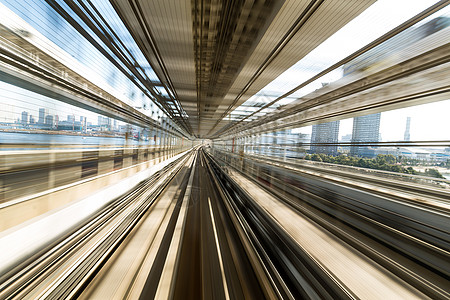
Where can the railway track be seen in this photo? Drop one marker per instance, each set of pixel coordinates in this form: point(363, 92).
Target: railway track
point(65, 265)
point(197, 230)
point(186, 248)
point(410, 241)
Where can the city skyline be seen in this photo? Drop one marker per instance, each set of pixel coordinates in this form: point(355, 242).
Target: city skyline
point(430, 122)
point(43, 113)
point(14, 100)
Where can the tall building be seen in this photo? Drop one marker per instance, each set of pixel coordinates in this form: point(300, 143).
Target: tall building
point(325, 133)
point(108, 123)
point(101, 121)
point(49, 121)
point(104, 123)
point(407, 136)
point(83, 122)
point(43, 112)
point(365, 129)
point(24, 117)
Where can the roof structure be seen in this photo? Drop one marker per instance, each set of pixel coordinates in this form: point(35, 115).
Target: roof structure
point(215, 55)
point(220, 68)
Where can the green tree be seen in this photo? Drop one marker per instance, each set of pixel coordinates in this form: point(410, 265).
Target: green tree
point(362, 163)
point(433, 173)
point(316, 157)
point(390, 159)
point(381, 162)
point(396, 168)
point(411, 171)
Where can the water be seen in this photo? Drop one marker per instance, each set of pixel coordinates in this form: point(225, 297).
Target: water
point(61, 139)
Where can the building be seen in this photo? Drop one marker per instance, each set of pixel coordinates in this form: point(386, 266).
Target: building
point(407, 136)
point(366, 129)
point(24, 117)
point(83, 122)
point(345, 148)
point(43, 112)
point(346, 138)
point(325, 133)
point(303, 140)
point(49, 121)
point(104, 123)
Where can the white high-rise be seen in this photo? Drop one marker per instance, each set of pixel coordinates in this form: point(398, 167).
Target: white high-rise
point(366, 129)
point(407, 136)
point(324, 138)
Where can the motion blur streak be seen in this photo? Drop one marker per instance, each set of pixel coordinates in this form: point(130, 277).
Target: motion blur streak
point(245, 149)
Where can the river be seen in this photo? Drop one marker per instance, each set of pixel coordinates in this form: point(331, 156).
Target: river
point(61, 139)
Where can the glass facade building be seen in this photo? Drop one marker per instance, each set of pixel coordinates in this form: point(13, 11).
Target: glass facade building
point(366, 129)
point(324, 138)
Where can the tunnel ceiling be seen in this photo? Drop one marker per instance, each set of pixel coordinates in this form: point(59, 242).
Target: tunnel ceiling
point(214, 55)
